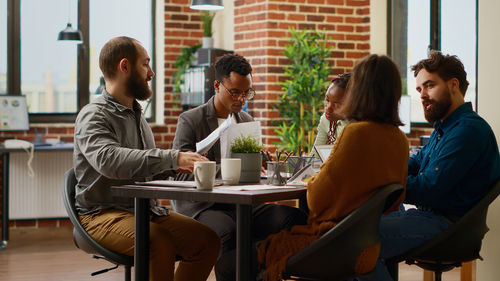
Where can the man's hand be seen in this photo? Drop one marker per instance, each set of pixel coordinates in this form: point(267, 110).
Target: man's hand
point(185, 160)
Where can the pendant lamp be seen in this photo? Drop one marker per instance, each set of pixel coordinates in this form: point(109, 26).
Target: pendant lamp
point(207, 5)
point(69, 33)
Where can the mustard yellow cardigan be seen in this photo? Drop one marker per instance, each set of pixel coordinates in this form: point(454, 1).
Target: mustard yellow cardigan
point(365, 156)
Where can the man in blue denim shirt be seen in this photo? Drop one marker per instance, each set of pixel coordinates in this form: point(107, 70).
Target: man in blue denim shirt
point(452, 172)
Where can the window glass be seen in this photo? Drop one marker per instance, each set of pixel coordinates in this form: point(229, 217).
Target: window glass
point(128, 18)
point(418, 42)
point(48, 66)
point(458, 37)
point(3, 46)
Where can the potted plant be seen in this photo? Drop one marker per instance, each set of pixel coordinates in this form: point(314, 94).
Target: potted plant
point(182, 63)
point(248, 150)
point(301, 104)
point(207, 18)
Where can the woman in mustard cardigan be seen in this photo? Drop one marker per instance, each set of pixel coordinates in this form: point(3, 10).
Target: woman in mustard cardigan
point(370, 152)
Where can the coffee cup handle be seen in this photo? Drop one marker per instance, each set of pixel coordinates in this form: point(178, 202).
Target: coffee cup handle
point(195, 173)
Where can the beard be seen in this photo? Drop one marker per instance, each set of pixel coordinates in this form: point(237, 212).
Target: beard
point(438, 109)
point(138, 88)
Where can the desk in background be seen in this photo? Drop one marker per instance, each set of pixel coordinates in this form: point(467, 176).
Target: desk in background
point(242, 199)
point(5, 181)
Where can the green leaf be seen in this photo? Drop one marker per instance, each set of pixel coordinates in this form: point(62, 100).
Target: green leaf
point(307, 80)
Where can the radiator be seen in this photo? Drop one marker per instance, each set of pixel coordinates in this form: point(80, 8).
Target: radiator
point(39, 196)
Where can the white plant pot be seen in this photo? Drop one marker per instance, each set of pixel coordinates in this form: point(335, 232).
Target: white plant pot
point(207, 42)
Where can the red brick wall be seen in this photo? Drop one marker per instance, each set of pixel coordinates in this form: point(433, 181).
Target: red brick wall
point(183, 28)
point(261, 31)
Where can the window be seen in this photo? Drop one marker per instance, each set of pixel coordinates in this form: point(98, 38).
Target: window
point(3, 46)
point(105, 25)
point(48, 66)
point(417, 26)
point(60, 77)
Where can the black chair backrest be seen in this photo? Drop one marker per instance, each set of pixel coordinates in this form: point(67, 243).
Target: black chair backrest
point(333, 255)
point(81, 238)
point(461, 242)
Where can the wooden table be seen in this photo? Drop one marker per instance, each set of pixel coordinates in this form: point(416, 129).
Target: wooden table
point(242, 199)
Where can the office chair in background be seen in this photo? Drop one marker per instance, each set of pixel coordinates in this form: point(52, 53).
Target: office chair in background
point(461, 242)
point(82, 239)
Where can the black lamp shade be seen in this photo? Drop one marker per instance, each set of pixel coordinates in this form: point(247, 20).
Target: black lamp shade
point(70, 34)
point(207, 5)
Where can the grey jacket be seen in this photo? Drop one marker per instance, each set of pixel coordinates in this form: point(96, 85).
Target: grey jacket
point(114, 145)
point(193, 126)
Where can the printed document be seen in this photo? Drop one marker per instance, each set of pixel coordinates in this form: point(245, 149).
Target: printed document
point(244, 129)
point(204, 145)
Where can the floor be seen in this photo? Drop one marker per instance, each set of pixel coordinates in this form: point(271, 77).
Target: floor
point(48, 253)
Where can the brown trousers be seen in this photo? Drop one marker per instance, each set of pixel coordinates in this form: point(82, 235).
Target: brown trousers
point(172, 235)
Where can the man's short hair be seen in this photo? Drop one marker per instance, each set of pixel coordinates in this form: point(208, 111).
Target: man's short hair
point(445, 66)
point(114, 51)
point(231, 62)
point(374, 91)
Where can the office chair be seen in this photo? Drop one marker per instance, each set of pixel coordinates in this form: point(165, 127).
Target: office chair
point(461, 242)
point(82, 239)
point(334, 254)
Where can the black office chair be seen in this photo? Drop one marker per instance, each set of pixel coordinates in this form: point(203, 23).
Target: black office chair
point(461, 242)
point(82, 239)
point(333, 255)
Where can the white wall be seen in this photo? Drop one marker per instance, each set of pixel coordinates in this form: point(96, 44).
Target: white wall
point(378, 27)
point(223, 27)
point(488, 105)
point(160, 62)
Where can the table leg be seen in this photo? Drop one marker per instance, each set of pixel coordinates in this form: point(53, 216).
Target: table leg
point(5, 200)
point(141, 246)
point(243, 242)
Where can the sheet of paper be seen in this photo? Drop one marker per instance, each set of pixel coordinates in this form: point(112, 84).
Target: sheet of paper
point(169, 183)
point(255, 187)
point(204, 145)
point(238, 130)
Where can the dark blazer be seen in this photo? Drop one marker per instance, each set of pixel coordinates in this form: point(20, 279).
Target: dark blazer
point(193, 126)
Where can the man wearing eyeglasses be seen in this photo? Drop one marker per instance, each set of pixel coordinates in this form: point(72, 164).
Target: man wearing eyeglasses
point(233, 86)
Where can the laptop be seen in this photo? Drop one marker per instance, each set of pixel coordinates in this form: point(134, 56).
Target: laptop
point(323, 151)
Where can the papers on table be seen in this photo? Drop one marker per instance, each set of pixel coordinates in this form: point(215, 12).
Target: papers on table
point(204, 145)
point(254, 187)
point(169, 183)
point(227, 132)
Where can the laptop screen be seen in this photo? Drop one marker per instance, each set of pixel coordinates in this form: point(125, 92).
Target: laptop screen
point(323, 151)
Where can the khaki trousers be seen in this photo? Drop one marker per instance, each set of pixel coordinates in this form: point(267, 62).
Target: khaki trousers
point(172, 235)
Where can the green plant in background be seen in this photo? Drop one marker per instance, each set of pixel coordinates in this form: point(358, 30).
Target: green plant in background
point(302, 101)
point(207, 18)
point(182, 63)
point(246, 145)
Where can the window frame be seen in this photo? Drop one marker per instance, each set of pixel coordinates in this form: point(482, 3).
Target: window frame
point(435, 40)
point(83, 60)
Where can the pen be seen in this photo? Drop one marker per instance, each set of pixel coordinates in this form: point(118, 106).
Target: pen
point(269, 156)
point(264, 155)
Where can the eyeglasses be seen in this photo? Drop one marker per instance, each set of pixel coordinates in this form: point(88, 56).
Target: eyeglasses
point(236, 95)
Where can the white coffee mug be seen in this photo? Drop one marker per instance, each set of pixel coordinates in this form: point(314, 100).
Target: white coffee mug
point(204, 174)
point(231, 170)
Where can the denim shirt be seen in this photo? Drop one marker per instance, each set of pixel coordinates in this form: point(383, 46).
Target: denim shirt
point(457, 167)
